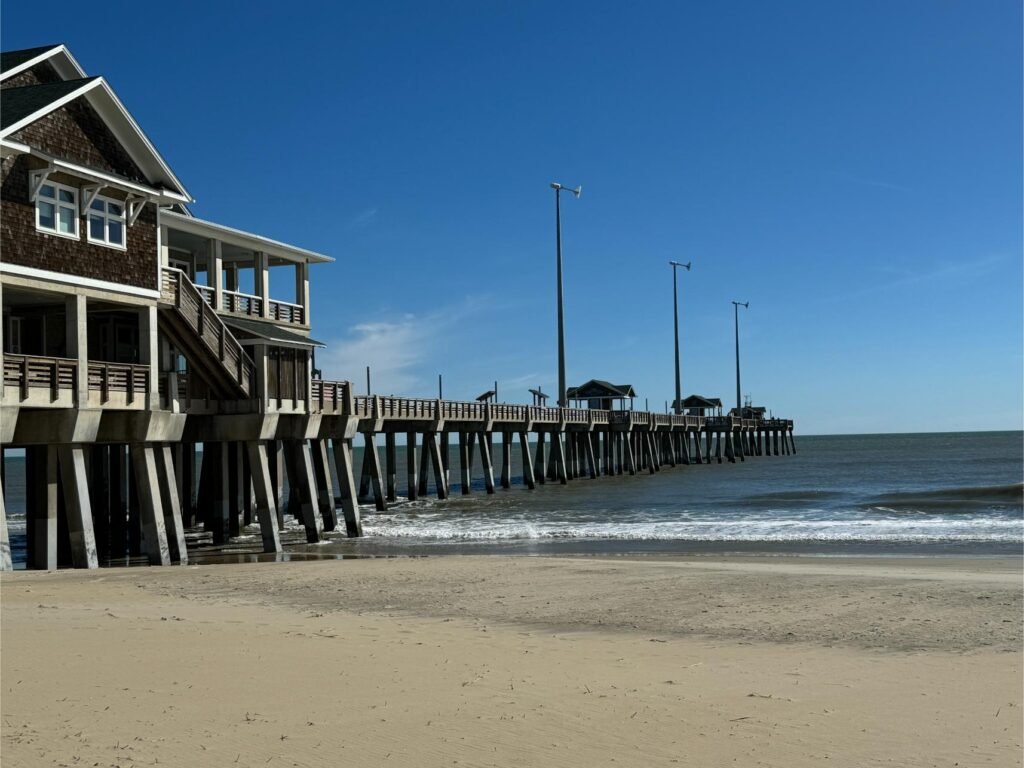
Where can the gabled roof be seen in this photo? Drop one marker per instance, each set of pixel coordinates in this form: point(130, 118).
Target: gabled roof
point(34, 102)
point(59, 57)
point(697, 401)
point(18, 104)
point(598, 388)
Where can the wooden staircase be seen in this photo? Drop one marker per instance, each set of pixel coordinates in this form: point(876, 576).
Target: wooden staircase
point(196, 329)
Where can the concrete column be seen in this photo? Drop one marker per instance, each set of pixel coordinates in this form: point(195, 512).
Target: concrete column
point(430, 445)
point(79, 510)
point(77, 340)
point(558, 454)
point(485, 460)
point(173, 524)
point(412, 479)
point(307, 490)
point(6, 563)
point(347, 487)
point(506, 459)
point(117, 488)
point(591, 461)
point(464, 462)
point(539, 464)
point(524, 453)
point(154, 533)
point(219, 491)
point(324, 484)
point(42, 486)
point(390, 463)
point(792, 442)
point(370, 448)
point(236, 491)
point(264, 493)
point(424, 468)
point(630, 457)
point(275, 459)
point(445, 459)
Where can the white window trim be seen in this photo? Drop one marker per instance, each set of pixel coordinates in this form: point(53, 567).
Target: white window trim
point(57, 205)
point(123, 246)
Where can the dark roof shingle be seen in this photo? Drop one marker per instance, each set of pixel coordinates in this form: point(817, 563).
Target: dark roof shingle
point(12, 59)
point(18, 103)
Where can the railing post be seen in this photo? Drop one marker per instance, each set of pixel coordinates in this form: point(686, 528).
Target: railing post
point(104, 383)
point(24, 378)
point(131, 385)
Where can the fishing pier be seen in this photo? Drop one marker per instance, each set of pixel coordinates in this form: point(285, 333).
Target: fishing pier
point(158, 380)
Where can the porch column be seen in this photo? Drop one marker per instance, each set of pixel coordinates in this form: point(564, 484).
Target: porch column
point(77, 338)
point(149, 353)
point(215, 273)
point(302, 289)
point(261, 281)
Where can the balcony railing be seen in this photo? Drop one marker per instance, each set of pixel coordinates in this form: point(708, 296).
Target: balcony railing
point(27, 372)
point(238, 303)
point(57, 375)
point(133, 380)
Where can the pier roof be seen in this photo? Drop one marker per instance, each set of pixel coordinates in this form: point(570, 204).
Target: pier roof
point(697, 401)
point(599, 388)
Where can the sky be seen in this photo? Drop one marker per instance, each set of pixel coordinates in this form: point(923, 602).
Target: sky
point(853, 170)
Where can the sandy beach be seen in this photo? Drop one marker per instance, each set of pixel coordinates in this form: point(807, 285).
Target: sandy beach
point(515, 661)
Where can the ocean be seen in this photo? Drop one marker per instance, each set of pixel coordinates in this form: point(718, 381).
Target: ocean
point(956, 493)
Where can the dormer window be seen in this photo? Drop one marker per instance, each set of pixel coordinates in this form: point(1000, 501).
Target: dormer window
point(57, 210)
point(106, 222)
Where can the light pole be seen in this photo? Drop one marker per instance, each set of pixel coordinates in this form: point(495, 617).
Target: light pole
point(675, 313)
point(736, 307)
point(561, 325)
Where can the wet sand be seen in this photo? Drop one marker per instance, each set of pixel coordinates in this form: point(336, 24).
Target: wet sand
point(502, 661)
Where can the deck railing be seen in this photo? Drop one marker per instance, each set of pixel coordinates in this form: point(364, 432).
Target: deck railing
point(133, 380)
point(177, 289)
point(238, 303)
point(286, 312)
point(28, 371)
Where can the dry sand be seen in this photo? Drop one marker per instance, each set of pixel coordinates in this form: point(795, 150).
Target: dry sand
point(501, 661)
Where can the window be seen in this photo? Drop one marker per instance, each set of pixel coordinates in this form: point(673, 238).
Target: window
point(57, 210)
point(106, 222)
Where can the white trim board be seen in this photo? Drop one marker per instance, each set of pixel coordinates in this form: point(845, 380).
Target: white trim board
point(83, 282)
point(66, 66)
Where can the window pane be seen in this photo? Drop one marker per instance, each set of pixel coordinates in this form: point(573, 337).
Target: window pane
point(66, 196)
point(67, 221)
point(114, 208)
point(46, 214)
point(97, 205)
point(46, 190)
point(115, 232)
point(96, 227)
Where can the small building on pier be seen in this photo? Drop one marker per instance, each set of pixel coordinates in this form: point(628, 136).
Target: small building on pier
point(697, 405)
point(602, 395)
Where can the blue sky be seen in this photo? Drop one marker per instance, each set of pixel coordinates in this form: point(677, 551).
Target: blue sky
point(853, 170)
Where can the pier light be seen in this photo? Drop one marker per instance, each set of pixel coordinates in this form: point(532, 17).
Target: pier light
point(736, 307)
point(678, 407)
point(558, 249)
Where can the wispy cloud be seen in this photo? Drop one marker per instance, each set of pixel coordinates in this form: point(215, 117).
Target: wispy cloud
point(396, 349)
point(906, 278)
point(362, 219)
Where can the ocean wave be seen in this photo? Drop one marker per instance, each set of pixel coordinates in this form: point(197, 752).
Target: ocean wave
point(1008, 531)
point(968, 499)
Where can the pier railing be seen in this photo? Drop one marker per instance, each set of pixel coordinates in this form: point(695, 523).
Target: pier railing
point(334, 397)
